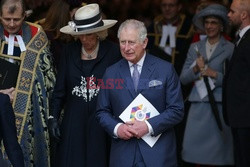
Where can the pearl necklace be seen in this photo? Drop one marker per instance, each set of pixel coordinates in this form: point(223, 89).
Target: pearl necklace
point(92, 55)
point(210, 48)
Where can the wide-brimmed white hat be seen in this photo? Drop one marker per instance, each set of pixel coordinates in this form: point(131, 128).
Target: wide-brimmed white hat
point(211, 10)
point(87, 20)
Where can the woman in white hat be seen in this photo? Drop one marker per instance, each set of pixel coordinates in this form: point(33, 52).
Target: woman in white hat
point(82, 142)
point(207, 139)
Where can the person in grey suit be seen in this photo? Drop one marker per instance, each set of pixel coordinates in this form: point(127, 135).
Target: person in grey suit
point(159, 84)
point(236, 101)
point(205, 141)
point(8, 134)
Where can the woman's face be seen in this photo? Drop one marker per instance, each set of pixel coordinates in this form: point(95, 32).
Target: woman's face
point(213, 27)
point(89, 41)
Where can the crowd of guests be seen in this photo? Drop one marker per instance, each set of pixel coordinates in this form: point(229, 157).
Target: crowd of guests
point(69, 71)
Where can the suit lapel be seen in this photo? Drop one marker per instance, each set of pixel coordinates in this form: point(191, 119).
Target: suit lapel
point(202, 48)
point(236, 48)
point(218, 50)
point(124, 72)
point(147, 71)
point(244, 37)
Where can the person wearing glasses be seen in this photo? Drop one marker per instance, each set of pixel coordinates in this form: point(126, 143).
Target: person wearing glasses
point(207, 139)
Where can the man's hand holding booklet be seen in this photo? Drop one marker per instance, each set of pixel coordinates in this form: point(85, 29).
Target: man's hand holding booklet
point(141, 109)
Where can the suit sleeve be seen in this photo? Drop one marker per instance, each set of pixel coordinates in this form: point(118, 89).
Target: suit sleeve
point(187, 74)
point(104, 112)
point(174, 107)
point(8, 129)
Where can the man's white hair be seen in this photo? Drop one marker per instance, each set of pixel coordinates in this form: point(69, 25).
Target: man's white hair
point(134, 24)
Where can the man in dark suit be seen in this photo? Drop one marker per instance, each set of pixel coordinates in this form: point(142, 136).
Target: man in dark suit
point(8, 133)
point(236, 95)
point(159, 84)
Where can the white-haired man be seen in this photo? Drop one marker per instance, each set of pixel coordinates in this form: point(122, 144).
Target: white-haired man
point(160, 87)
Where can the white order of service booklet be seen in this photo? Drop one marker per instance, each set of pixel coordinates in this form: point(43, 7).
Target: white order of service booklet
point(141, 109)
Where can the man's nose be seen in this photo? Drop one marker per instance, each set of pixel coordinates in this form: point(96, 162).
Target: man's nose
point(127, 47)
point(12, 23)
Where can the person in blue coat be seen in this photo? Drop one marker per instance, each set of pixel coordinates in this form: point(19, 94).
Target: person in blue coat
point(204, 142)
point(8, 134)
point(82, 141)
point(159, 84)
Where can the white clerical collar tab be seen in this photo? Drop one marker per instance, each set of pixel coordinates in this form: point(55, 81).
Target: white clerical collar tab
point(168, 30)
point(11, 43)
point(21, 43)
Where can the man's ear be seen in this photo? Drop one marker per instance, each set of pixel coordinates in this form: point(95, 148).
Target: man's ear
point(244, 15)
point(145, 42)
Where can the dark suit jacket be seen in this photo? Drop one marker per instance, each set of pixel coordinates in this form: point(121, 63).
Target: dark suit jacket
point(236, 93)
point(8, 132)
point(166, 98)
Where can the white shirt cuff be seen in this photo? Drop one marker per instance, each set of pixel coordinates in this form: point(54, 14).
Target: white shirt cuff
point(116, 129)
point(150, 129)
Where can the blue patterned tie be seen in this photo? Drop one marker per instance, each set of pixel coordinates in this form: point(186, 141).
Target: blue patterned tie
point(135, 76)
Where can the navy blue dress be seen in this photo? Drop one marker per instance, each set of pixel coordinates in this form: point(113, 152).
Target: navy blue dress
point(84, 143)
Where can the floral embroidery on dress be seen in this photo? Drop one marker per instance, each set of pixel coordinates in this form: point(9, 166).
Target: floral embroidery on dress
point(87, 87)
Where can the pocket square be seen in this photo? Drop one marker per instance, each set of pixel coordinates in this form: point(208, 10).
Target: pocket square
point(154, 83)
